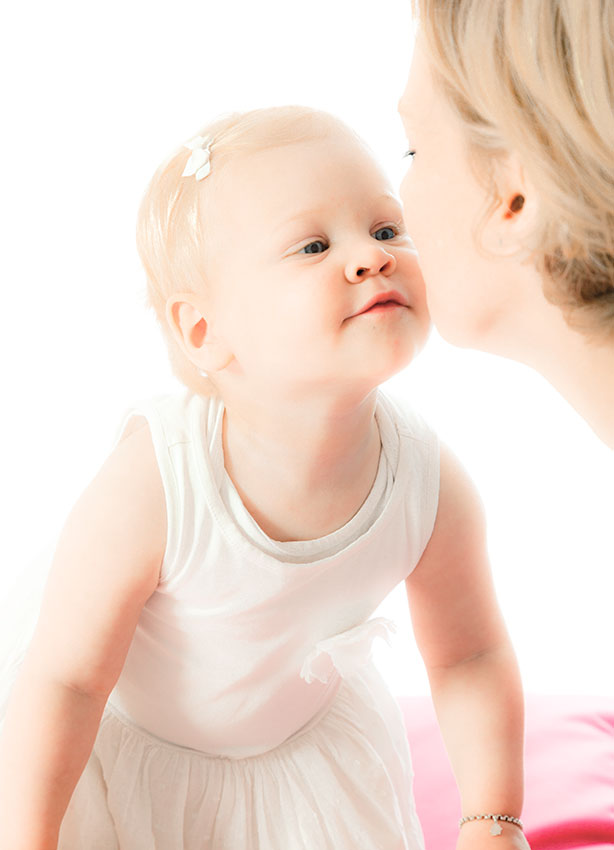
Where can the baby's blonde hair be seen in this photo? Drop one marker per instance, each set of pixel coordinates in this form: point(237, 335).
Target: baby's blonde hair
point(171, 227)
point(537, 77)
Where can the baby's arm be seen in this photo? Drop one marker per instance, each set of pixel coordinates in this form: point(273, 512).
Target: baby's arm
point(105, 567)
point(472, 669)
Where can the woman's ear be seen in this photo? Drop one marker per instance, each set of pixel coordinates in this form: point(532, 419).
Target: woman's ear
point(185, 314)
point(515, 215)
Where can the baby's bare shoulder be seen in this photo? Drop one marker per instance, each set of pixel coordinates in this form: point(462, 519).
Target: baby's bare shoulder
point(105, 567)
point(459, 535)
point(127, 494)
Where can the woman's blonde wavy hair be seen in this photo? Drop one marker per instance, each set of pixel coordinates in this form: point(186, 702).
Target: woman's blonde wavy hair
point(175, 212)
point(537, 77)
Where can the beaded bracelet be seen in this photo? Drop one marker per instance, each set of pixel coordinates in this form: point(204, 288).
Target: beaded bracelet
point(495, 829)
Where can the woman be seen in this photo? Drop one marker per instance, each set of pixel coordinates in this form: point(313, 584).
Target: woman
point(510, 119)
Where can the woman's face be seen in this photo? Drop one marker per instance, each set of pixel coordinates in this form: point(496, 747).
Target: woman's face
point(470, 294)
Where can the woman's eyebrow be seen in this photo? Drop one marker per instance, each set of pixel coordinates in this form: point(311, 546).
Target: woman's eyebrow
point(405, 110)
point(404, 105)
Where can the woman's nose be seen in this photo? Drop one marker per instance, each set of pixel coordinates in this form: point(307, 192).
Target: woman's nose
point(369, 261)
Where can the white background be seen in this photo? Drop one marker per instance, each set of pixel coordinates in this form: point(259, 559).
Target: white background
point(96, 95)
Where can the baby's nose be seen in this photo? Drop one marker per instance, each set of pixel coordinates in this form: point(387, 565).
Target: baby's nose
point(370, 262)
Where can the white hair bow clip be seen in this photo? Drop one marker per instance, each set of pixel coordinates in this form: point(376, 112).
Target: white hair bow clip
point(199, 163)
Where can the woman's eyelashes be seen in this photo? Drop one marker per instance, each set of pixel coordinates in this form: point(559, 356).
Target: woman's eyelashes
point(410, 153)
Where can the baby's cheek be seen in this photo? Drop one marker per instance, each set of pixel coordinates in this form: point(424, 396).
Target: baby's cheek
point(415, 281)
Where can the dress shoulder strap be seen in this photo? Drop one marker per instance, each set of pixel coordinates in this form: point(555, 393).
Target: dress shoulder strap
point(419, 463)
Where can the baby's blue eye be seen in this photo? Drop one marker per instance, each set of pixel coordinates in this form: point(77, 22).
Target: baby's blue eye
point(385, 233)
point(317, 247)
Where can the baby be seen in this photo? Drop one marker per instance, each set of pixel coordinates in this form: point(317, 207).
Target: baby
point(200, 674)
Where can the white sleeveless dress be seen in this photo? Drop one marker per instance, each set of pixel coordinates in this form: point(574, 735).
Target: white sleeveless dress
point(249, 714)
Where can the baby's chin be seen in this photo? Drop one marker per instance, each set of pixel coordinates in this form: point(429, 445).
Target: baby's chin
point(397, 364)
point(410, 346)
point(400, 366)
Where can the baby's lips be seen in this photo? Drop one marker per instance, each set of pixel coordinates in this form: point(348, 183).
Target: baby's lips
point(381, 298)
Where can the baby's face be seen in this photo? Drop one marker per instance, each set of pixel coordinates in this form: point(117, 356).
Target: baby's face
point(306, 237)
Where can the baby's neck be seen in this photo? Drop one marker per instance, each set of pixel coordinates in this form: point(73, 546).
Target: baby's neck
point(302, 469)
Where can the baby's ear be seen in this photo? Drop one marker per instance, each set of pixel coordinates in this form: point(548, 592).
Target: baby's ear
point(185, 314)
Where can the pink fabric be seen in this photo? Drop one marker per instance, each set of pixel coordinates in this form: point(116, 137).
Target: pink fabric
point(569, 796)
